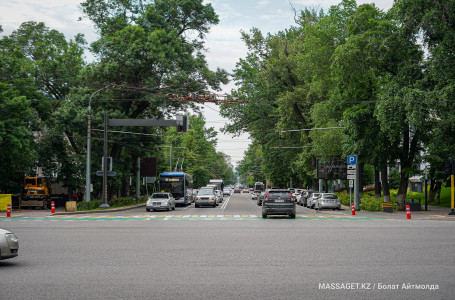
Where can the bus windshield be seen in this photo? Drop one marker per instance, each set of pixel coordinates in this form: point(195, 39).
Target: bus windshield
point(174, 187)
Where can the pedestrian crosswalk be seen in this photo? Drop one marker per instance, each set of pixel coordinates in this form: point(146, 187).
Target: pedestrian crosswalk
point(167, 217)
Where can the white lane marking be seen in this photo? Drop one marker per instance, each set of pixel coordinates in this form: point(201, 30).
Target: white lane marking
point(223, 207)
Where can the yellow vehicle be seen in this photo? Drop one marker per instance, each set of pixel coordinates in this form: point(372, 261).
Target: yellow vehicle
point(37, 192)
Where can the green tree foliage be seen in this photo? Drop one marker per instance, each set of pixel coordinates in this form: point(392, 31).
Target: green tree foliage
point(354, 67)
point(195, 152)
point(147, 52)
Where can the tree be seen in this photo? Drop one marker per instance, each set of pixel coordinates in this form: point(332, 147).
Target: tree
point(148, 52)
point(19, 118)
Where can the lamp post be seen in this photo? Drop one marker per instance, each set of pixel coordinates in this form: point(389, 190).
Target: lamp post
point(89, 146)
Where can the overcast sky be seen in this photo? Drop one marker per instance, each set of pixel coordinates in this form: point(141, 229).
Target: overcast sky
point(223, 43)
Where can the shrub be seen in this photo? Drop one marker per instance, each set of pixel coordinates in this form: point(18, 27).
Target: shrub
point(368, 201)
point(91, 205)
point(117, 202)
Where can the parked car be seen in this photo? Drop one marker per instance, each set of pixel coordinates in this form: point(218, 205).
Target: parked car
point(160, 201)
point(296, 194)
point(328, 200)
point(206, 197)
point(278, 202)
point(236, 190)
point(261, 198)
point(219, 196)
point(9, 245)
point(304, 198)
point(255, 195)
point(311, 202)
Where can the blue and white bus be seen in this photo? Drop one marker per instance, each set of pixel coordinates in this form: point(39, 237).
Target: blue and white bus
point(179, 184)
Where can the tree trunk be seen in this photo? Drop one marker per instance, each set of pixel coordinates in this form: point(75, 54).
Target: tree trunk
point(385, 183)
point(360, 168)
point(438, 191)
point(432, 190)
point(314, 180)
point(70, 194)
point(407, 157)
point(377, 184)
point(402, 191)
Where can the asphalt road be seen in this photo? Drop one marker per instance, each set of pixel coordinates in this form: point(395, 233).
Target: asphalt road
point(229, 258)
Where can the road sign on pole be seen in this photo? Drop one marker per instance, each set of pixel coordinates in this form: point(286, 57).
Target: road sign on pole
point(352, 159)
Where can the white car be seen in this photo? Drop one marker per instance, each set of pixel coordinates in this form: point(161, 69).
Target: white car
point(9, 245)
point(227, 191)
point(219, 196)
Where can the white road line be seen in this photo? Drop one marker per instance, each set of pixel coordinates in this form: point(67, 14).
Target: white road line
point(223, 207)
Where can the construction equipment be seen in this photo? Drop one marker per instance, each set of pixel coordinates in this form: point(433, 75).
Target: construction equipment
point(37, 192)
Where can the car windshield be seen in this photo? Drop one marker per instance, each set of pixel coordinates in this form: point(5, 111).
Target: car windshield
point(281, 195)
point(205, 192)
point(160, 196)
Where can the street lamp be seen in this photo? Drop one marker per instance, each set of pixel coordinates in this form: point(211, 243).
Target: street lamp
point(89, 146)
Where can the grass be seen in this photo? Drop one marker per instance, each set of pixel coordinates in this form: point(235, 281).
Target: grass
point(369, 203)
point(117, 202)
point(445, 198)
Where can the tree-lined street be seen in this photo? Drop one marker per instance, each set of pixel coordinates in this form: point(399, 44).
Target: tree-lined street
point(235, 258)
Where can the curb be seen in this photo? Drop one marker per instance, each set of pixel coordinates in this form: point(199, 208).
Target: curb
point(98, 211)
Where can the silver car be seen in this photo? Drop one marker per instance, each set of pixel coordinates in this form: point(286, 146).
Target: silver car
point(311, 202)
point(160, 201)
point(9, 246)
point(328, 200)
point(206, 196)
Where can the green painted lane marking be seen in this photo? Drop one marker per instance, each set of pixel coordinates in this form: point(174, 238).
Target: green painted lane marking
point(179, 218)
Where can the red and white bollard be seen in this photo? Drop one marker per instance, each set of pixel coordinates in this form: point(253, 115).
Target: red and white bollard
point(53, 207)
point(353, 209)
point(8, 211)
point(408, 212)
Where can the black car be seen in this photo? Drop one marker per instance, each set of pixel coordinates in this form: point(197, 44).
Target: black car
point(278, 202)
point(261, 198)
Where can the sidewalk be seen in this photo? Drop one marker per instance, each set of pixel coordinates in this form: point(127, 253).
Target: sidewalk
point(433, 213)
point(30, 212)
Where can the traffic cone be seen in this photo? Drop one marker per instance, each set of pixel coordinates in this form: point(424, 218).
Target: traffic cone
point(353, 209)
point(408, 212)
point(53, 207)
point(8, 211)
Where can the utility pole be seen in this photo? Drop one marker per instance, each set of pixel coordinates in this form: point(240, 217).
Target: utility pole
point(89, 147)
point(105, 192)
point(138, 179)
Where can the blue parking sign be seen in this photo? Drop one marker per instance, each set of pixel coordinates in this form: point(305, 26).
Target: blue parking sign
point(352, 159)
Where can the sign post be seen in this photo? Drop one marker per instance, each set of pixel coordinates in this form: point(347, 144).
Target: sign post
point(351, 184)
point(353, 175)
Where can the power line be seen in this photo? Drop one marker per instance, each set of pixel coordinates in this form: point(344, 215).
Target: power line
point(310, 129)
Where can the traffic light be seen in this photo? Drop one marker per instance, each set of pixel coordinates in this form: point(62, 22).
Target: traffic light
point(182, 123)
